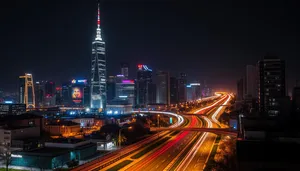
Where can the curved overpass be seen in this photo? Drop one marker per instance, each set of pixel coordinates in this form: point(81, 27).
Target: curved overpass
point(212, 130)
point(180, 119)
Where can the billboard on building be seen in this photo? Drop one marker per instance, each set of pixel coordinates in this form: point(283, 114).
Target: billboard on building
point(77, 94)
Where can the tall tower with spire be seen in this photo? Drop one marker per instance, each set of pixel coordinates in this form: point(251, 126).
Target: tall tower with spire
point(98, 70)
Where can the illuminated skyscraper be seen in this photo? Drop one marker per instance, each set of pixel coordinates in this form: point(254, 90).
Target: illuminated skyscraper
point(26, 91)
point(193, 91)
point(145, 91)
point(173, 90)
point(98, 70)
point(271, 87)
point(182, 83)
point(39, 88)
point(163, 88)
point(49, 95)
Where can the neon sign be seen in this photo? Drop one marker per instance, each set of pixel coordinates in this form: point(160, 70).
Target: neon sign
point(78, 81)
point(145, 67)
point(16, 155)
point(81, 81)
point(140, 67)
point(127, 81)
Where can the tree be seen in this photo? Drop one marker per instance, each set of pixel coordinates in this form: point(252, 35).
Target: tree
point(6, 156)
point(225, 158)
point(116, 139)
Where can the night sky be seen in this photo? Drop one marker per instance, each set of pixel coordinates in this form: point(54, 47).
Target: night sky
point(210, 40)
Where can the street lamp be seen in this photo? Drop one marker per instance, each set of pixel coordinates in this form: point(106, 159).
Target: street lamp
point(119, 140)
point(158, 120)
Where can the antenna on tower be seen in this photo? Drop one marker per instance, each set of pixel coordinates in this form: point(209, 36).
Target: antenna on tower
point(98, 35)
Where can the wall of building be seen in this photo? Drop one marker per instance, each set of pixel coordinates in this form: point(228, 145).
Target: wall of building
point(84, 122)
point(6, 135)
point(66, 144)
point(56, 130)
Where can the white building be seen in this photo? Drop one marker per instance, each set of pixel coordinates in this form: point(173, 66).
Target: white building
point(7, 134)
point(98, 70)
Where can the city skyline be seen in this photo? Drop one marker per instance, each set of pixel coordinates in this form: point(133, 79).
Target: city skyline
point(64, 35)
point(149, 85)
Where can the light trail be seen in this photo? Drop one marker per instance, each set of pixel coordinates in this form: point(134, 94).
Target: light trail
point(210, 105)
point(191, 154)
point(189, 157)
point(165, 147)
point(180, 119)
point(219, 109)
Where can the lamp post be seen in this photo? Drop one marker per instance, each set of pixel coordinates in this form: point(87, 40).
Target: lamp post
point(158, 120)
point(119, 139)
point(158, 123)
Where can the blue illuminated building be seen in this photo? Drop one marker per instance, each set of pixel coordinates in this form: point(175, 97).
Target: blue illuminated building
point(98, 71)
point(145, 90)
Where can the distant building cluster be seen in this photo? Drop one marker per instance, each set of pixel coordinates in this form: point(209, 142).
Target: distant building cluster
point(263, 87)
point(122, 93)
point(266, 118)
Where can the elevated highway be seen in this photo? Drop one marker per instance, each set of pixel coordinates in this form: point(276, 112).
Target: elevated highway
point(226, 131)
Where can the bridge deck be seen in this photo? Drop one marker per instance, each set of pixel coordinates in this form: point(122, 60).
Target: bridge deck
point(212, 130)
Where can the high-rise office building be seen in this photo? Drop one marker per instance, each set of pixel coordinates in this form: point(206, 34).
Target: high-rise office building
point(193, 91)
point(49, 89)
point(163, 87)
point(125, 91)
point(98, 70)
point(144, 87)
point(182, 83)
point(50, 99)
point(111, 88)
point(173, 90)
point(58, 95)
point(26, 91)
point(66, 94)
point(240, 89)
point(151, 94)
point(206, 89)
point(86, 95)
point(39, 88)
point(124, 69)
point(271, 85)
point(251, 82)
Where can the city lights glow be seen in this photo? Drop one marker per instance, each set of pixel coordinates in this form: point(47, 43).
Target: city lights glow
point(179, 117)
point(188, 158)
point(127, 81)
point(207, 107)
point(219, 109)
point(16, 155)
